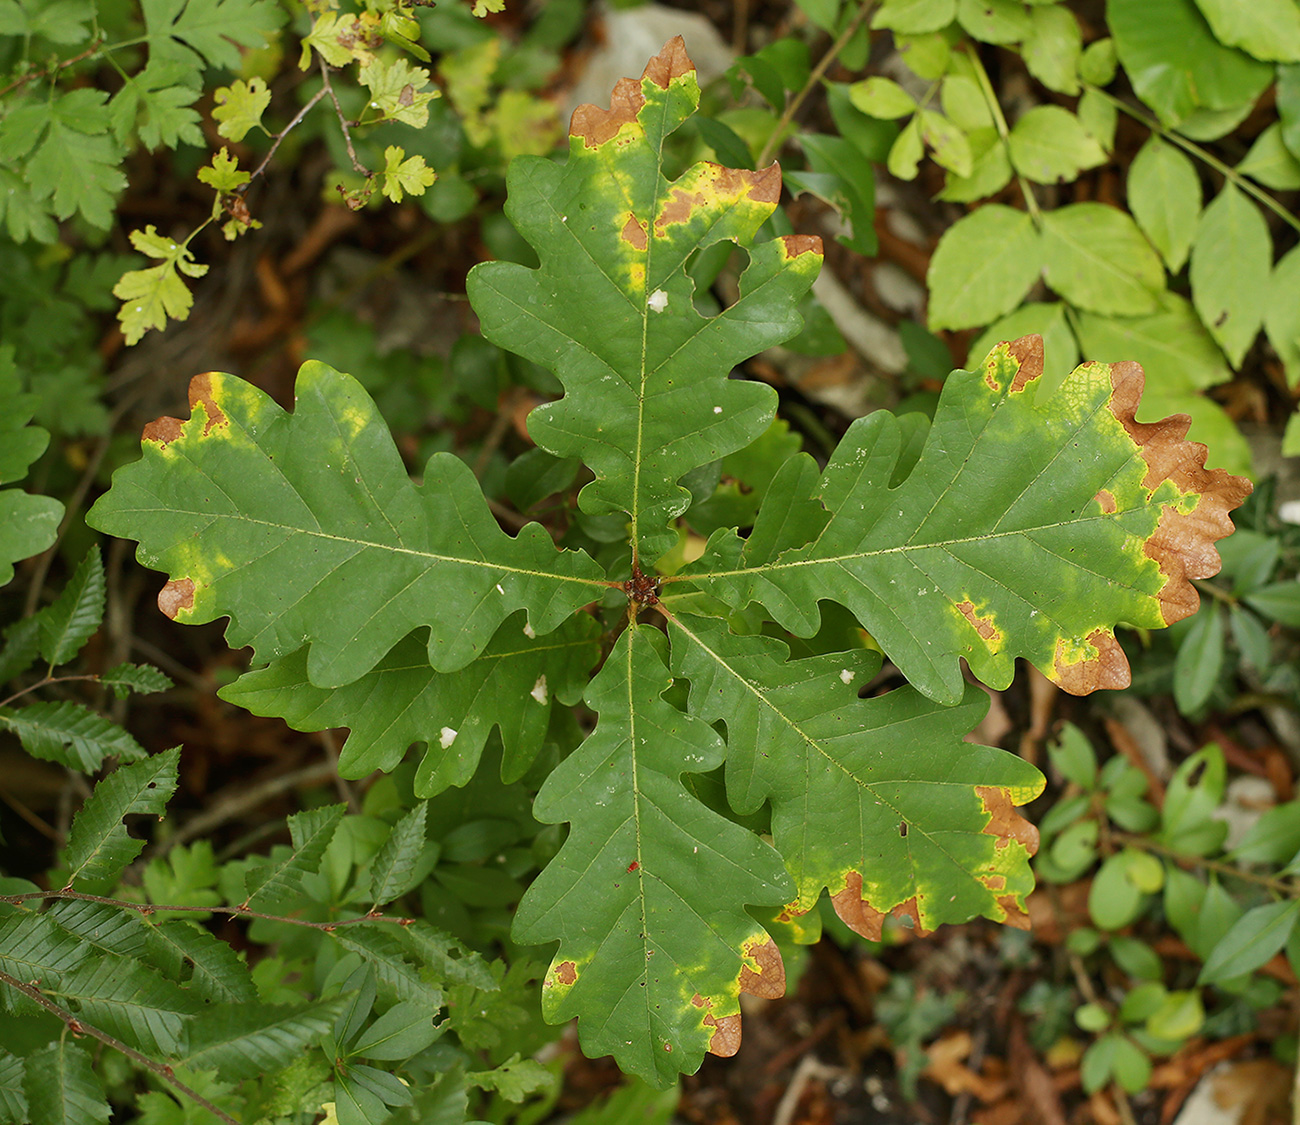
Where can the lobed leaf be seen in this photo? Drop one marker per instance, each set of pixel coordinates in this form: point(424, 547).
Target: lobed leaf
point(610, 309)
point(402, 701)
point(99, 847)
point(29, 523)
point(304, 528)
point(211, 32)
point(647, 896)
point(879, 800)
point(1097, 520)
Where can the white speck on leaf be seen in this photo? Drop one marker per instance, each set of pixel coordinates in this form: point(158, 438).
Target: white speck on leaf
point(499, 590)
point(528, 632)
point(717, 410)
point(846, 676)
point(539, 690)
point(658, 301)
point(446, 737)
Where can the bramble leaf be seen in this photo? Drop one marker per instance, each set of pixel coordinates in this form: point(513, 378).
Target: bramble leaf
point(62, 1086)
point(878, 800)
point(610, 309)
point(349, 560)
point(311, 831)
point(1098, 519)
point(69, 622)
point(98, 844)
point(647, 896)
point(245, 1040)
point(69, 734)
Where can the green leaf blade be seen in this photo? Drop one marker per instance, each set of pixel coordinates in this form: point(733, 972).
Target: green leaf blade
point(984, 265)
point(1231, 265)
point(69, 622)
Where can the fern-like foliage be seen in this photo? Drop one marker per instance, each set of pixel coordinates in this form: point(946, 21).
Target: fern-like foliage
point(1018, 524)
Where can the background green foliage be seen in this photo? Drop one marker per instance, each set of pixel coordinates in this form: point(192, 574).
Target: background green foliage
point(1135, 204)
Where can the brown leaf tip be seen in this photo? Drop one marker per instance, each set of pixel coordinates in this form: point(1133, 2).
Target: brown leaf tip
point(596, 126)
point(725, 1040)
point(1027, 352)
point(177, 595)
point(1183, 542)
point(796, 244)
point(1107, 669)
point(201, 392)
point(863, 918)
point(162, 430)
point(768, 982)
point(1004, 821)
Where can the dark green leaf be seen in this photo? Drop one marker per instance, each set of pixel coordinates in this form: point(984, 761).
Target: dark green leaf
point(63, 1088)
point(129, 1001)
point(1278, 602)
point(70, 734)
point(69, 622)
point(246, 1040)
point(1199, 661)
point(392, 869)
point(311, 832)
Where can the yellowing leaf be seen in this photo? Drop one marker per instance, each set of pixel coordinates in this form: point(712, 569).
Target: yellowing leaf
point(150, 297)
point(238, 108)
point(405, 175)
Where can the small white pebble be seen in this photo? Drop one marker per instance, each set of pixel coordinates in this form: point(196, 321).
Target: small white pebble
point(446, 737)
point(1289, 512)
point(846, 676)
point(658, 301)
point(539, 690)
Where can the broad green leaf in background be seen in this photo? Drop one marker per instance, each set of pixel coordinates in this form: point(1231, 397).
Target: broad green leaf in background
point(403, 701)
point(878, 800)
point(1230, 270)
point(1164, 194)
point(1048, 145)
point(1255, 937)
point(62, 1086)
point(994, 21)
point(1097, 520)
point(1096, 258)
point(1199, 661)
point(647, 896)
point(1053, 47)
point(854, 192)
point(306, 527)
point(983, 266)
point(1270, 162)
point(1176, 63)
point(28, 523)
point(1268, 29)
point(913, 17)
point(946, 141)
point(98, 844)
point(882, 97)
point(1282, 313)
point(610, 309)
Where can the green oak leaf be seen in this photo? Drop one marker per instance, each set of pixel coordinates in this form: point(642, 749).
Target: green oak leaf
point(238, 504)
point(611, 312)
point(403, 701)
point(1096, 520)
point(878, 800)
point(647, 896)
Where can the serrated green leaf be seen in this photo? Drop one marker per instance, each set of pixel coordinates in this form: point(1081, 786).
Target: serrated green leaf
point(13, 1099)
point(99, 847)
point(1048, 145)
point(70, 734)
point(1268, 29)
point(1053, 48)
point(1164, 194)
point(879, 801)
point(130, 1002)
point(311, 831)
point(994, 558)
point(391, 869)
point(1230, 270)
point(515, 1079)
point(611, 310)
point(247, 1040)
point(1176, 63)
point(34, 946)
point(647, 896)
point(914, 17)
point(58, 21)
point(62, 1087)
point(155, 105)
point(398, 91)
point(71, 620)
point(77, 166)
point(402, 701)
point(1251, 942)
point(1096, 258)
point(126, 678)
point(150, 297)
point(238, 108)
point(108, 929)
point(212, 31)
point(385, 952)
point(349, 560)
point(217, 973)
point(983, 266)
point(405, 175)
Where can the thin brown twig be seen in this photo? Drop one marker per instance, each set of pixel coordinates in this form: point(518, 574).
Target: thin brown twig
point(79, 1027)
point(832, 53)
point(279, 137)
point(145, 909)
point(45, 72)
point(357, 166)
